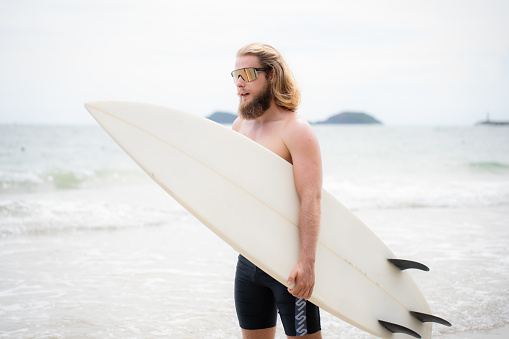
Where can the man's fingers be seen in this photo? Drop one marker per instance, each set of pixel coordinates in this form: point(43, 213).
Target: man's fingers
point(291, 280)
point(302, 292)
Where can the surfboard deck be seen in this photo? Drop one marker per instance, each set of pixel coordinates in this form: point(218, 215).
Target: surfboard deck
point(246, 195)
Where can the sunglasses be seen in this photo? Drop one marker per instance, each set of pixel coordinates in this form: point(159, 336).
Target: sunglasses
point(247, 74)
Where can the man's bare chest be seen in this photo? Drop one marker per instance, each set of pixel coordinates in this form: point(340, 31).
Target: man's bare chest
point(272, 139)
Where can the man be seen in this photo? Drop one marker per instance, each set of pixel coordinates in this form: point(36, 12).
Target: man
point(269, 98)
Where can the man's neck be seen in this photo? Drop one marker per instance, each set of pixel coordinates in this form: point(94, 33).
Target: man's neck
point(274, 113)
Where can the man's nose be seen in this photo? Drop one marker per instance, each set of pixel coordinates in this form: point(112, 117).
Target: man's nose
point(240, 82)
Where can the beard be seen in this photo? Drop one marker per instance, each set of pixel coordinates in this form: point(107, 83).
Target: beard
point(257, 106)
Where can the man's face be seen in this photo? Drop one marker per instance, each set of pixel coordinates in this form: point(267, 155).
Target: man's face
point(255, 96)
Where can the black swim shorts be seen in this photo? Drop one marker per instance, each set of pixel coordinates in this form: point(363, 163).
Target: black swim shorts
point(258, 298)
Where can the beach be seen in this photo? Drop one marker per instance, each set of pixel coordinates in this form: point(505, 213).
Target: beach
point(90, 247)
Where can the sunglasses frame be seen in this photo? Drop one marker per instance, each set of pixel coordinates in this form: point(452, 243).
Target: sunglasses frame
point(255, 73)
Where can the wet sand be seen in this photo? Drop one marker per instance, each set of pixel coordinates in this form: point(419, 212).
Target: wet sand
point(498, 333)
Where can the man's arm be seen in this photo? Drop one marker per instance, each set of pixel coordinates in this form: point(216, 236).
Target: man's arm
point(307, 166)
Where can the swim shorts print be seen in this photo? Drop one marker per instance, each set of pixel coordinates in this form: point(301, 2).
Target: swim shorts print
point(258, 298)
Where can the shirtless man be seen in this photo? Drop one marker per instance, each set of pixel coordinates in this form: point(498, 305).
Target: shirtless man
point(269, 98)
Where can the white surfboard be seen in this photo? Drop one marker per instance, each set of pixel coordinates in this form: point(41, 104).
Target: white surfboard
point(246, 195)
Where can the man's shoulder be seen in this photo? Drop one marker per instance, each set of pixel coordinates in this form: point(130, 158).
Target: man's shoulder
point(236, 124)
point(299, 134)
point(297, 125)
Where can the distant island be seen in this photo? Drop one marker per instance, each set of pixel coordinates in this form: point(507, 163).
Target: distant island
point(223, 117)
point(491, 122)
point(350, 118)
point(341, 118)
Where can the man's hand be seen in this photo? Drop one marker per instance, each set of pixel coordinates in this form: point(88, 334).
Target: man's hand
point(303, 275)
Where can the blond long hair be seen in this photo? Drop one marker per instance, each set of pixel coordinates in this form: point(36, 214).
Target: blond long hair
point(284, 87)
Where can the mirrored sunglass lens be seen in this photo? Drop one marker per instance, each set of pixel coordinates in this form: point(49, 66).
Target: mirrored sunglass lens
point(251, 74)
point(247, 74)
point(239, 73)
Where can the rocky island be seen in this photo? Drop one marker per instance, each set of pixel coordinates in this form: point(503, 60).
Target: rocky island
point(223, 117)
point(491, 122)
point(341, 118)
point(350, 118)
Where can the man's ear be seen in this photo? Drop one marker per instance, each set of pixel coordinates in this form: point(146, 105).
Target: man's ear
point(271, 75)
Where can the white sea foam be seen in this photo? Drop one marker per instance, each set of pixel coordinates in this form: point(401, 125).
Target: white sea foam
point(380, 192)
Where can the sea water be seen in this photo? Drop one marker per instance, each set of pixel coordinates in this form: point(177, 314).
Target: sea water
point(91, 247)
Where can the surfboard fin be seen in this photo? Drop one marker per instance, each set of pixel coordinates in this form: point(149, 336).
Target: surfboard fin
point(394, 328)
point(406, 264)
point(426, 318)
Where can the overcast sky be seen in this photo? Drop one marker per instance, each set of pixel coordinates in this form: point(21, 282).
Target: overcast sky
point(406, 62)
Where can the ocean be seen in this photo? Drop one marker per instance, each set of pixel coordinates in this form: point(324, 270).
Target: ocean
point(91, 247)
